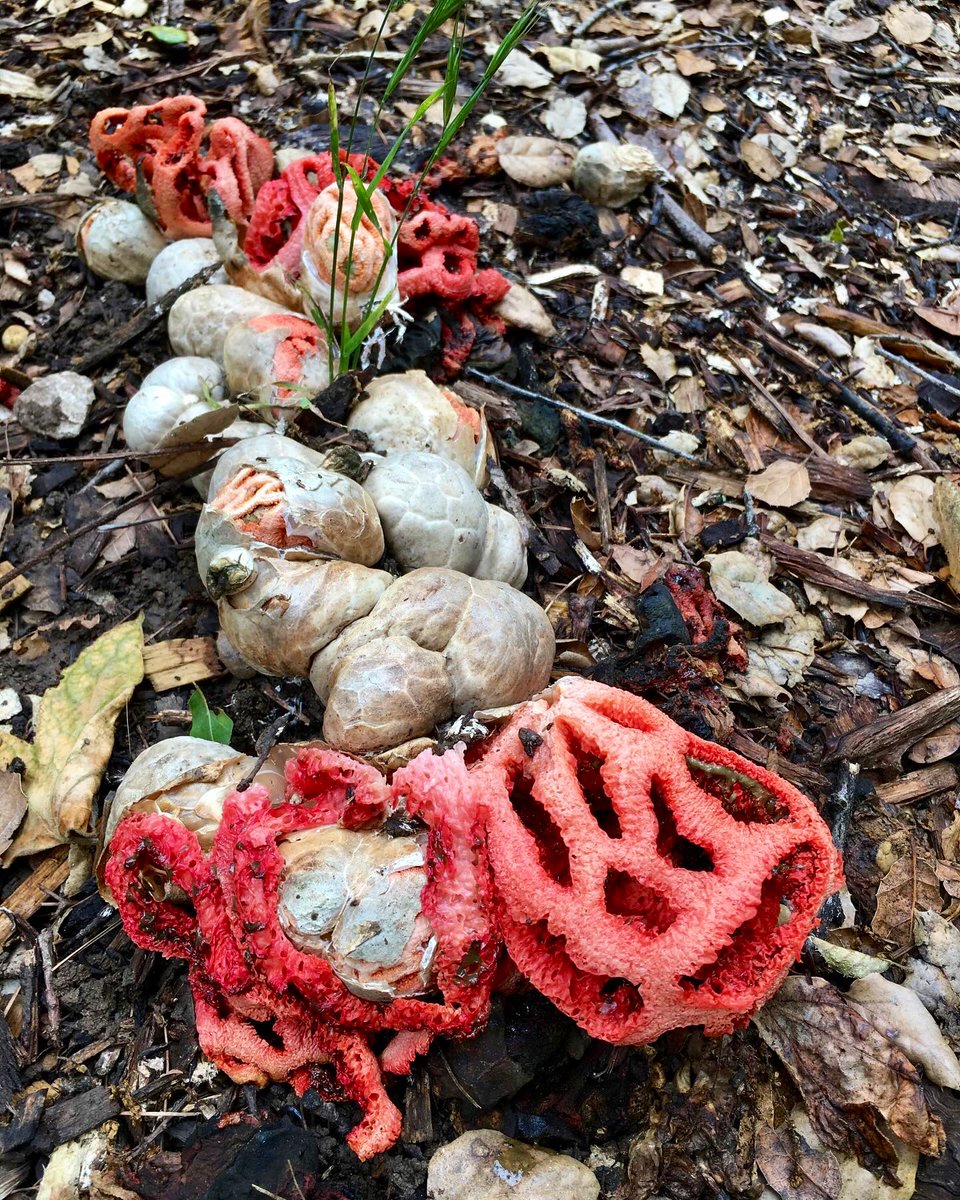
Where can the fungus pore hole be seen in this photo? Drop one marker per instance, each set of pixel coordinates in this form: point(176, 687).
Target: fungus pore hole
point(640, 904)
point(740, 797)
point(590, 779)
point(554, 856)
point(671, 844)
point(752, 951)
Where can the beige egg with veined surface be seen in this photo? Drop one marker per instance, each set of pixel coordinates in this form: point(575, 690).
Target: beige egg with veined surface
point(116, 241)
point(179, 261)
point(198, 323)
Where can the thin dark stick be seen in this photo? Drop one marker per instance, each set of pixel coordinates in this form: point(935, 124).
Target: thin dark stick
point(582, 413)
point(50, 550)
point(113, 456)
point(141, 323)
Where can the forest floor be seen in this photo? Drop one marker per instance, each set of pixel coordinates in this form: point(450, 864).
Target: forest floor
point(803, 351)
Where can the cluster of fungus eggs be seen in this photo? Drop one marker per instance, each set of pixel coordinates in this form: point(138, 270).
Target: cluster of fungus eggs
point(640, 878)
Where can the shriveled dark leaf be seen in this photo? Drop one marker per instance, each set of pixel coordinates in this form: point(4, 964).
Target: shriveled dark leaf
point(851, 1077)
point(793, 1168)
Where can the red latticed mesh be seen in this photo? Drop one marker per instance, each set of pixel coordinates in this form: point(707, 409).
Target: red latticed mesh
point(246, 974)
point(642, 879)
point(180, 158)
point(646, 880)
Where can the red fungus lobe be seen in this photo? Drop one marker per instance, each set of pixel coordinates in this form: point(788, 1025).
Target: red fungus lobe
point(265, 1009)
point(646, 880)
point(179, 159)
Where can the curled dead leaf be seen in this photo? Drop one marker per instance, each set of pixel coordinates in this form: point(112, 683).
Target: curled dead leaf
point(73, 739)
point(536, 161)
point(911, 502)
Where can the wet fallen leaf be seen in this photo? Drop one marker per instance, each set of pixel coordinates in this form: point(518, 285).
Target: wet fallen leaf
point(852, 964)
point(848, 1073)
point(940, 744)
point(741, 581)
point(793, 1168)
point(783, 484)
point(909, 887)
point(899, 1015)
point(907, 24)
point(781, 656)
point(73, 739)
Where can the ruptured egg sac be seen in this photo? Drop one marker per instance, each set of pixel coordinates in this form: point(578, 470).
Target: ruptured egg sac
point(353, 896)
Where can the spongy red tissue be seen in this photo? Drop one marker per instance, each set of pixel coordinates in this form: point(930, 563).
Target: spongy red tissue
point(642, 879)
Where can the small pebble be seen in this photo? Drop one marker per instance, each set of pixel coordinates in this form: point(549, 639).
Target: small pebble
point(14, 336)
point(55, 406)
point(485, 1165)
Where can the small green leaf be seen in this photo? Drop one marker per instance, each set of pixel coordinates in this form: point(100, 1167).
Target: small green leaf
point(837, 232)
point(170, 35)
point(208, 725)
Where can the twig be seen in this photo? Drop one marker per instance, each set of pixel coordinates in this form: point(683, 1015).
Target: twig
point(706, 246)
point(907, 365)
point(588, 22)
point(113, 456)
point(889, 427)
point(776, 414)
point(54, 548)
point(265, 743)
point(582, 413)
point(883, 742)
point(140, 324)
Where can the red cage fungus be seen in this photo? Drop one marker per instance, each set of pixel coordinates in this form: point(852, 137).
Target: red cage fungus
point(266, 1010)
point(437, 249)
point(646, 879)
point(180, 158)
point(642, 879)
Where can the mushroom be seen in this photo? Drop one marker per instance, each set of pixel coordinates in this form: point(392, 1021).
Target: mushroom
point(179, 261)
point(116, 241)
point(281, 359)
point(199, 321)
point(270, 491)
point(170, 395)
point(433, 516)
point(409, 412)
point(436, 644)
point(353, 897)
point(334, 239)
point(612, 174)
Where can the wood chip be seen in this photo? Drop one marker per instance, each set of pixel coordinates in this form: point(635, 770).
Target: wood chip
point(27, 898)
point(14, 589)
point(181, 661)
point(917, 785)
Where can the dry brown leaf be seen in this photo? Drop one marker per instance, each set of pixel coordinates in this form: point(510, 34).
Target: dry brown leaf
point(570, 58)
point(741, 580)
point(536, 161)
point(669, 94)
point(940, 744)
point(74, 739)
point(852, 31)
point(848, 1073)
point(689, 63)
point(908, 25)
point(911, 502)
point(783, 484)
point(946, 507)
point(944, 319)
point(908, 888)
point(793, 1168)
point(760, 160)
point(899, 1014)
point(660, 361)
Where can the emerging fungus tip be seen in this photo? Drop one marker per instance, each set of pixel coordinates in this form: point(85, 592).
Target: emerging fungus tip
point(229, 572)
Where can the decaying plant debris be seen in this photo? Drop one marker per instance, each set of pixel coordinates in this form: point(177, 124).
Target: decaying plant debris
point(774, 309)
